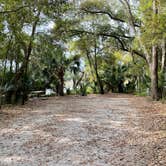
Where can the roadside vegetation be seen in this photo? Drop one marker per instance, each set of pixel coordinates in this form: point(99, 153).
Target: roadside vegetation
point(81, 47)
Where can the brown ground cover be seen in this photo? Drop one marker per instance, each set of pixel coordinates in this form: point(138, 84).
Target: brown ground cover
point(96, 130)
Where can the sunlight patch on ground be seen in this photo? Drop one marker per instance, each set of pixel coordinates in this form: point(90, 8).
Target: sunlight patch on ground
point(7, 130)
point(60, 115)
point(64, 140)
point(76, 120)
point(27, 127)
point(11, 159)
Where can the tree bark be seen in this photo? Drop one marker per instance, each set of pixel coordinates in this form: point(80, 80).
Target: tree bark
point(154, 74)
point(163, 61)
point(19, 79)
point(61, 79)
point(61, 92)
point(90, 64)
point(151, 60)
point(99, 81)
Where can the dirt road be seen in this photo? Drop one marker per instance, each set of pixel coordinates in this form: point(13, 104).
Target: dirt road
point(85, 131)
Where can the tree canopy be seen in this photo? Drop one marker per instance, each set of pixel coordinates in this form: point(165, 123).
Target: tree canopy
point(84, 46)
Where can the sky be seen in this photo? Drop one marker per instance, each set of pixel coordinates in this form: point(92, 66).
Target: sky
point(46, 27)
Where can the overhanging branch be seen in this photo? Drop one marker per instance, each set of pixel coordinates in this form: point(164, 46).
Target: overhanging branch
point(117, 37)
point(111, 16)
point(13, 10)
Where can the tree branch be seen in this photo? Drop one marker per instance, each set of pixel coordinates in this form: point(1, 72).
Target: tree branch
point(146, 53)
point(116, 37)
point(14, 10)
point(111, 16)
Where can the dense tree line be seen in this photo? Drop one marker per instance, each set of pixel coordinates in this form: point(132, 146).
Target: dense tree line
point(97, 46)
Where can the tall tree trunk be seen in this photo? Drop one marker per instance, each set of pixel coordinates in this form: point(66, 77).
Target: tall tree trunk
point(154, 60)
point(19, 78)
point(61, 79)
point(61, 92)
point(154, 74)
point(99, 81)
point(151, 60)
point(91, 68)
point(163, 61)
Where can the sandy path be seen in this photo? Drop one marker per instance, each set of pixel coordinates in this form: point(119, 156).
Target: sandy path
point(89, 131)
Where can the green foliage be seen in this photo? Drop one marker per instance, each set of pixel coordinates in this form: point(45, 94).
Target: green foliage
point(92, 46)
point(94, 4)
point(154, 27)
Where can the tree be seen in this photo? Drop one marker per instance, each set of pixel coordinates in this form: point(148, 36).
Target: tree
point(126, 18)
point(22, 20)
